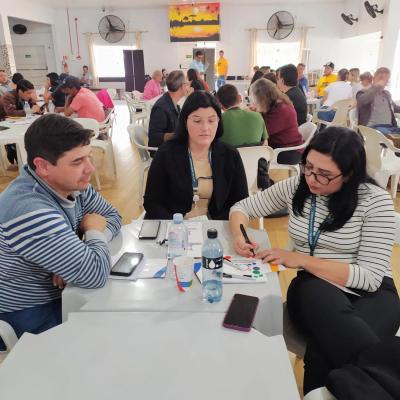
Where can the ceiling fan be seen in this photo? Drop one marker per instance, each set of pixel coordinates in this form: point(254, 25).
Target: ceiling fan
point(372, 9)
point(280, 25)
point(111, 28)
point(349, 19)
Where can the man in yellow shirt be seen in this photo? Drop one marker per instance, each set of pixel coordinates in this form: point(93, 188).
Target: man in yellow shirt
point(222, 69)
point(326, 79)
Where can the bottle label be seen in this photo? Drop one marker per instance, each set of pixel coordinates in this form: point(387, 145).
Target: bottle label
point(212, 263)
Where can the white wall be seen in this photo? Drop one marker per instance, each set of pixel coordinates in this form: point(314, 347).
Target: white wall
point(159, 52)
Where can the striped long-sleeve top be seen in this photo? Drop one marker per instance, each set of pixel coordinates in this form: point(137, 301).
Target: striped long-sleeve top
point(39, 238)
point(364, 242)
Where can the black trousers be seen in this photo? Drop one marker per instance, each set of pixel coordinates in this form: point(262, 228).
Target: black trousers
point(338, 325)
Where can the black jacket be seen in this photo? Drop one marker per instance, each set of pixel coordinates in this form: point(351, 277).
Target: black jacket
point(169, 184)
point(163, 118)
point(299, 101)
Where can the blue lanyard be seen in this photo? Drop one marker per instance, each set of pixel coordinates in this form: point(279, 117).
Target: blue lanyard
point(313, 237)
point(195, 181)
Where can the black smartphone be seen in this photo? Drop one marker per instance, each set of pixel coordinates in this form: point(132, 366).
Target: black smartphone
point(126, 264)
point(149, 229)
point(3, 128)
point(241, 312)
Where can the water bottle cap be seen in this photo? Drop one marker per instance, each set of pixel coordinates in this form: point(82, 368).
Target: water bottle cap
point(178, 218)
point(212, 233)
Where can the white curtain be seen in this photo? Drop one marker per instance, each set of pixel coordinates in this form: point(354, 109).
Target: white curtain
point(93, 68)
point(253, 49)
point(138, 39)
point(303, 44)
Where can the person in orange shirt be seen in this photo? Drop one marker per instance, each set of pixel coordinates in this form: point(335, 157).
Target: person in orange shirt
point(222, 69)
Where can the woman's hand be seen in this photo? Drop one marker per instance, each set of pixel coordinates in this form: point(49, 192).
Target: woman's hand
point(289, 259)
point(243, 248)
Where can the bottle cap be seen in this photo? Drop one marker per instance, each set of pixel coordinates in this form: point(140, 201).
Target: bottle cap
point(212, 233)
point(178, 218)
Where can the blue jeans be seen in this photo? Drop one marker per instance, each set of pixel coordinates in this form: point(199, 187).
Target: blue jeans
point(220, 81)
point(34, 319)
point(386, 129)
point(326, 115)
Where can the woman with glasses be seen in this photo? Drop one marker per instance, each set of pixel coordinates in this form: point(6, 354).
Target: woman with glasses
point(342, 226)
point(195, 173)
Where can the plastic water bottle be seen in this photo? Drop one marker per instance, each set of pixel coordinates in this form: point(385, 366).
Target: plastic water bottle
point(27, 109)
point(212, 267)
point(177, 242)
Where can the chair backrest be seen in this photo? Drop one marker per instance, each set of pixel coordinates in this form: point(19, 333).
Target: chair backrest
point(373, 148)
point(342, 108)
point(250, 157)
point(137, 95)
point(112, 92)
point(353, 118)
point(7, 334)
point(307, 130)
point(139, 138)
point(89, 123)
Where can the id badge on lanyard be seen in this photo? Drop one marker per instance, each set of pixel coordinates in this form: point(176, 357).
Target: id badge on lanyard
point(195, 181)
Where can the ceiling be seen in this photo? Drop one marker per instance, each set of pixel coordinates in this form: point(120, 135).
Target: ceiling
point(149, 3)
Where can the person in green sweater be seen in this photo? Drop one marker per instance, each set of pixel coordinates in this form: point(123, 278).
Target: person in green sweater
point(241, 127)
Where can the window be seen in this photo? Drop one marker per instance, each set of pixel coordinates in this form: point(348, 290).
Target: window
point(110, 60)
point(277, 54)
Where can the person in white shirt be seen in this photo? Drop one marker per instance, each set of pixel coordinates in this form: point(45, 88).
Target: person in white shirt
point(336, 91)
point(198, 62)
point(86, 79)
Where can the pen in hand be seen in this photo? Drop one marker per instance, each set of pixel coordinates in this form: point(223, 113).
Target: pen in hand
point(246, 238)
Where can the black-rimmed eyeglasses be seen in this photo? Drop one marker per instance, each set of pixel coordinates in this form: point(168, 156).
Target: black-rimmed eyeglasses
point(321, 179)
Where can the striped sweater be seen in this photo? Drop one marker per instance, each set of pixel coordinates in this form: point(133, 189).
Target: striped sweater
point(38, 238)
point(365, 242)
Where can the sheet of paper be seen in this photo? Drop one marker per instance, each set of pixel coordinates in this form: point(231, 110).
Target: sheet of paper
point(343, 288)
point(237, 275)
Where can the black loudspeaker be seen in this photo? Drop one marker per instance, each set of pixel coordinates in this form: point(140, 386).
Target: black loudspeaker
point(134, 70)
point(19, 29)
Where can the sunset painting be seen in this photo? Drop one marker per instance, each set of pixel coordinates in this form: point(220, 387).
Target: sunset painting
point(196, 22)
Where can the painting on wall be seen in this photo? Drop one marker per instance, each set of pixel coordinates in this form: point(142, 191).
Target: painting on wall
point(195, 22)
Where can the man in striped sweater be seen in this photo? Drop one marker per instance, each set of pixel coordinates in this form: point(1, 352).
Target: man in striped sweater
point(44, 214)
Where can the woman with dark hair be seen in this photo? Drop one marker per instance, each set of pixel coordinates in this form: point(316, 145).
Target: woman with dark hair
point(342, 227)
point(195, 173)
point(15, 79)
point(192, 77)
point(280, 118)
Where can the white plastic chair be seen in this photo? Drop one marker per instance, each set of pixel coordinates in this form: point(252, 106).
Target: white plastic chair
point(342, 108)
point(89, 123)
point(250, 156)
point(382, 162)
point(113, 93)
point(353, 119)
point(107, 125)
point(8, 335)
point(307, 130)
point(139, 138)
point(133, 106)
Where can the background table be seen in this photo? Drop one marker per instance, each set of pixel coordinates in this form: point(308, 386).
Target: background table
point(15, 134)
point(163, 295)
point(103, 356)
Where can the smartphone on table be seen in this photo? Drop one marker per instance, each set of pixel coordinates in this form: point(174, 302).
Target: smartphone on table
point(241, 312)
point(126, 264)
point(149, 229)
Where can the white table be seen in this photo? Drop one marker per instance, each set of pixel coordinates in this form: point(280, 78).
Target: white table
point(165, 356)
point(15, 134)
point(162, 294)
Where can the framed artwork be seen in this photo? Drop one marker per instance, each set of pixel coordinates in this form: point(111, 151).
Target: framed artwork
point(196, 22)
